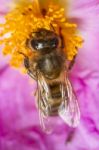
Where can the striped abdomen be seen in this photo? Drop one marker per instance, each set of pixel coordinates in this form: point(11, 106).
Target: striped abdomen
point(56, 99)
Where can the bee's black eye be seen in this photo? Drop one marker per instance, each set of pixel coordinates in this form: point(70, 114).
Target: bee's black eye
point(36, 44)
point(44, 44)
point(33, 44)
point(54, 42)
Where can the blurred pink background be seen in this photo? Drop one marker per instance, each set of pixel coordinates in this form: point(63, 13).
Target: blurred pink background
point(19, 122)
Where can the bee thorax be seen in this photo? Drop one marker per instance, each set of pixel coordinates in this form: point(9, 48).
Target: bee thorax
point(50, 66)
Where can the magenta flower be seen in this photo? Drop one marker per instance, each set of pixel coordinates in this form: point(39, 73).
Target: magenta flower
point(19, 123)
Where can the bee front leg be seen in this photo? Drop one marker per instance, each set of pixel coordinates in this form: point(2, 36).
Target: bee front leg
point(27, 66)
point(71, 63)
point(62, 39)
point(26, 62)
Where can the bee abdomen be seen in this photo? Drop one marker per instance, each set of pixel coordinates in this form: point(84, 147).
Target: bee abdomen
point(56, 99)
point(54, 108)
point(56, 95)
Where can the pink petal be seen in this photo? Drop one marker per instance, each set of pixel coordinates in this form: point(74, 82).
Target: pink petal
point(19, 123)
point(85, 74)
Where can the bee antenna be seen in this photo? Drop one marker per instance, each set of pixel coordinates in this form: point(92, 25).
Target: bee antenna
point(52, 27)
point(22, 54)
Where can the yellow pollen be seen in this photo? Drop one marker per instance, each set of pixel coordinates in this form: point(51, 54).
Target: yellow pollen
point(23, 20)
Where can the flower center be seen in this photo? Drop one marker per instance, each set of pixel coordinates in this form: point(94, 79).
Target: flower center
point(25, 19)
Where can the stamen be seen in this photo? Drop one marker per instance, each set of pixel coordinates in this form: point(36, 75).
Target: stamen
point(23, 20)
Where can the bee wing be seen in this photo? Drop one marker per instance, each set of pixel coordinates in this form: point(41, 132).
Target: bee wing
point(69, 108)
point(43, 106)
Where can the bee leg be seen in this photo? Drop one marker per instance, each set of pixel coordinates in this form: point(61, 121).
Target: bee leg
point(71, 63)
point(62, 39)
point(26, 62)
point(27, 66)
point(70, 136)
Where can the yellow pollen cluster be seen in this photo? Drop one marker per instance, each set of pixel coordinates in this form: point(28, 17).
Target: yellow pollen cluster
point(22, 21)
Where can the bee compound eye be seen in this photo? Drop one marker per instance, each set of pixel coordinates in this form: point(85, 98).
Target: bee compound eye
point(54, 42)
point(37, 44)
point(33, 44)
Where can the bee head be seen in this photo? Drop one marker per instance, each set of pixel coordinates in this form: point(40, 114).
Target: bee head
point(44, 40)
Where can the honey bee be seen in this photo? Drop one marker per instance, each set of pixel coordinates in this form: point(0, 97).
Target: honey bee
point(55, 95)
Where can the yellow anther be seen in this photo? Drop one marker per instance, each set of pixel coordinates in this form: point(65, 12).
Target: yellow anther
point(22, 22)
point(63, 20)
point(50, 10)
